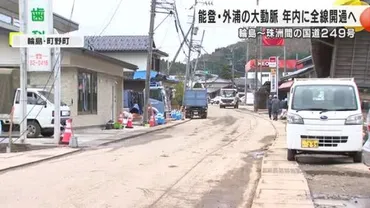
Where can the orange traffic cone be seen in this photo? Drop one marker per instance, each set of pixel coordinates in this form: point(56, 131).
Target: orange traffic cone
point(151, 121)
point(67, 135)
point(120, 118)
point(129, 123)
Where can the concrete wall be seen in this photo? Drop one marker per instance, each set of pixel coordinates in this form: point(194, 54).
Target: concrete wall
point(70, 95)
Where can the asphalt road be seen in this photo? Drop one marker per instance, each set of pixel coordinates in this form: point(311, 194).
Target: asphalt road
point(212, 162)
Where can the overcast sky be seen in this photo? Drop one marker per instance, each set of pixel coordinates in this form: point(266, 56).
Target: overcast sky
point(133, 16)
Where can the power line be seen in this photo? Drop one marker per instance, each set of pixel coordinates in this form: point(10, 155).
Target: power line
point(112, 17)
point(91, 42)
point(165, 35)
point(162, 22)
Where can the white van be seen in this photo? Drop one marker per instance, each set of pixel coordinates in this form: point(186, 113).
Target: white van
point(324, 116)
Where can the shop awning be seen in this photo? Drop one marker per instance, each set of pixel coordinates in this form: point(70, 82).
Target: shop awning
point(300, 72)
point(286, 85)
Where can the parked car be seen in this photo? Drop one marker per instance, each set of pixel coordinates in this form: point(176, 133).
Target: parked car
point(324, 117)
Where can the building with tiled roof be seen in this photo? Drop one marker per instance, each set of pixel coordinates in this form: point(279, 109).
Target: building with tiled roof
point(133, 49)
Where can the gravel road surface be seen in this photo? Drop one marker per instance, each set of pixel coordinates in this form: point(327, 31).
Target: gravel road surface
point(212, 162)
point(337, 182)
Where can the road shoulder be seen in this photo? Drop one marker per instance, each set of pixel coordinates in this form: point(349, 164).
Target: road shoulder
point(11, 161)
point(282, 183)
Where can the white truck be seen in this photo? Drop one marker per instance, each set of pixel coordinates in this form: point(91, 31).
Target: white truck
point(40, 113)
point(324, 117)
point(229, 98)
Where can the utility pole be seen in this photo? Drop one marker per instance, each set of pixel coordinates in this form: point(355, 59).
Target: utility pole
point(178, 50)
point(199, 53)
point(23, 71)
point(149, 61)
point(255, 70)
point(188, 64)
point(232, 68)
point(246, 75)
point(256, 75)
point(57, 91)
point(204, 69)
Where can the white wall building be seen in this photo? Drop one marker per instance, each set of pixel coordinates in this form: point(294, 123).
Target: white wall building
point(131, 49)
point(92, 83)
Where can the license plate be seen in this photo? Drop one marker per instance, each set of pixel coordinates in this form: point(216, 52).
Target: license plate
point(310, 143)
point(195, 113)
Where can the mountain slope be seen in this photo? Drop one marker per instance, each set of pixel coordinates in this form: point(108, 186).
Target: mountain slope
point(215, 62)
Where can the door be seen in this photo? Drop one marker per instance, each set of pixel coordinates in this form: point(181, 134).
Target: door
point(36, 107)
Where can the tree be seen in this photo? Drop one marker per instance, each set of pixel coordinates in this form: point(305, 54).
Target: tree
point(179, 87)
point(225, 72)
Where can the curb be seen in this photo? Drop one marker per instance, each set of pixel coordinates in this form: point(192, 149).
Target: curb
point(142, 133)
point(81, 149)
point(39, 161)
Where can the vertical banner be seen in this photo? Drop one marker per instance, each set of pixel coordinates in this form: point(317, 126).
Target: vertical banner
point(39, 22)
point(273, 78)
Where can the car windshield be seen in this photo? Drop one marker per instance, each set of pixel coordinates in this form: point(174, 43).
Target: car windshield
point(156, 94)
point(228, 93)
point(324, 98)
point(50, 96)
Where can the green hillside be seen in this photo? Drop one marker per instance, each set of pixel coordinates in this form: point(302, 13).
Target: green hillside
point(217, 62)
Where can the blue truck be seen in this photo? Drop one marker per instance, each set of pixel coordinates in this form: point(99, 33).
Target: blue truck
point(196, 103)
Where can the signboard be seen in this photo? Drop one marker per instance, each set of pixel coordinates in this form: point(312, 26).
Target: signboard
point(39, 22)
point(272, 62)
point(263, 63)
point(273, 81)
point(47, 41)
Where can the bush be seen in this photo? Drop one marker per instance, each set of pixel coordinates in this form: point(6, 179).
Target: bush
point(179, 93)
point(117, 125)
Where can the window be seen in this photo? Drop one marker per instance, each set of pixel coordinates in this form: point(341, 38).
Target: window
point(228, 93)
point(324, 97)
point(156, 94)
point(34, 99)
point(50, 97)
point(87, 93)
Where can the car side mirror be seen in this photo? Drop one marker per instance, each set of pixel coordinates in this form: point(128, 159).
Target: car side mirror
point(43, 102)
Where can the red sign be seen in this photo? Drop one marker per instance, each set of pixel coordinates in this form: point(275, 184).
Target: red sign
point(272, 59)
point(290, 64)
point(267, 41)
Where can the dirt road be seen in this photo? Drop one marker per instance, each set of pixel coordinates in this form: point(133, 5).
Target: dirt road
point(210, 162)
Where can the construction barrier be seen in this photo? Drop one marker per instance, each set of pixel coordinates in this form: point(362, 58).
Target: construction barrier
point(68, 133)
point(129, 124)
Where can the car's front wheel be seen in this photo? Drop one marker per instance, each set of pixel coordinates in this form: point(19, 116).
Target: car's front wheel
point(357, 157)
point(291, 155)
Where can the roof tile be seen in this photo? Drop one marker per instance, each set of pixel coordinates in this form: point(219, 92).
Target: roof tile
point(117, 43)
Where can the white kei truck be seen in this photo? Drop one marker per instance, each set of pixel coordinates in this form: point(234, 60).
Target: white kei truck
point(40, 113)
point(229, 98)
point(324, 117)
point(40, 107)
